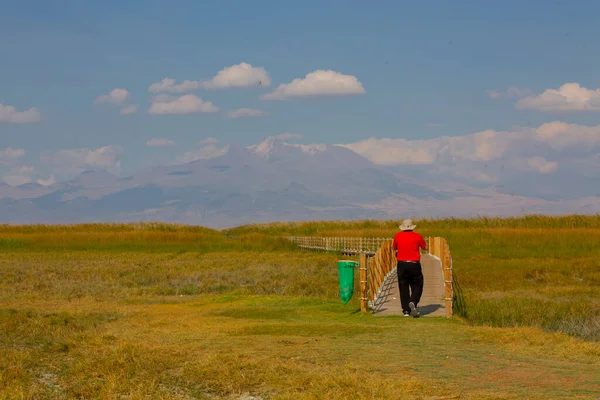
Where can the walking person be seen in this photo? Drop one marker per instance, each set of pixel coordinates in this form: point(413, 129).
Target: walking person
point(410, 274)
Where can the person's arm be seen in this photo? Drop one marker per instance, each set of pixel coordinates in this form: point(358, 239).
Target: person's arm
point(422, 243)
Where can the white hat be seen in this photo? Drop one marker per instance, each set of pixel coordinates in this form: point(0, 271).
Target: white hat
point(407, 225)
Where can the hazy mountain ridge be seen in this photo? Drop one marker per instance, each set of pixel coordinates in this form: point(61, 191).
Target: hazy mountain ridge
point(272, 180)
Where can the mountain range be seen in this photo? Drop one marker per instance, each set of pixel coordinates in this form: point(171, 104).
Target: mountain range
point(274, 180)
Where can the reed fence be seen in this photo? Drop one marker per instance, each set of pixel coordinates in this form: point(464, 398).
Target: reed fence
point(378, 263)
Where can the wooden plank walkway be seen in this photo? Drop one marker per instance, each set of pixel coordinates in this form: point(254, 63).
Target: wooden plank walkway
point(432, 301)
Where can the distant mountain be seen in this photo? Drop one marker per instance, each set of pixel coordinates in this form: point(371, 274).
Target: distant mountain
point(272, 180)
point(25, 191)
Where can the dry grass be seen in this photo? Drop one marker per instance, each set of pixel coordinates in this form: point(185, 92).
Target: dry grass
point(516, 272)
point(274, 347)
point(113, 275)
point(138, 313)
point(544, 278)
point(371, 228)
point(99, 227)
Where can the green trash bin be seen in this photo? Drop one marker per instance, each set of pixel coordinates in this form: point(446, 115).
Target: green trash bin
point(346, 277)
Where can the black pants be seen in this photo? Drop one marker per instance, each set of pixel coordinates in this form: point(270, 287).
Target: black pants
point(410, 276)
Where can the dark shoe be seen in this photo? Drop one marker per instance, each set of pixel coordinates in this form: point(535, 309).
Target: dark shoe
point(414, 311)
point(406, 314)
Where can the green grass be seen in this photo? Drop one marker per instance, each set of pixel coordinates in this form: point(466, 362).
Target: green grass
point(529, 271)
point(175, 312)
point(110, 275)
point(147, 241)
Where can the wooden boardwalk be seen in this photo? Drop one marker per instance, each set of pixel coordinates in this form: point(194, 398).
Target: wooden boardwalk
point(432, 301)
point(379, 292)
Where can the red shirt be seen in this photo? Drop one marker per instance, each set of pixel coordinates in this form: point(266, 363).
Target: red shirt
point(408, 243)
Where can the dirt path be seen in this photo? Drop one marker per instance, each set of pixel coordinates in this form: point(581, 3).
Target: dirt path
point(432, 302)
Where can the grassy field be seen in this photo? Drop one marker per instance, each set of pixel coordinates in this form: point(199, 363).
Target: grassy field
point(174, 312)
point(530, 271)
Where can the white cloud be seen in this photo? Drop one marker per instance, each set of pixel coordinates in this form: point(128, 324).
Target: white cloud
point(208, 140)
point(207, 152)
point(10, 153)
point(518, 92)
point(10, 157)
point(116, 96)
point(156, 142)
point(75, 161)
point(396, 151)
point(569, 97)
point(239, 76)
point(16, 180)
point(119, 97)
point(490, 155)
point(170, 85)
point(129, 109)
point(11, 115)
point(479, 176)
point(492, 94)
point(560, 135)
point(481, 146)
point(288, 136)
point(542, 165)
point(318, 83)
point(510, 92)
point(47, 182)
point(187, 104)
point(246, 112)
point(19, 175)
point(487, 145)
point(162, 98)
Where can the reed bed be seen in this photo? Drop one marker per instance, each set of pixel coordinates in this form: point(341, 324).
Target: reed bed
point(378, 227)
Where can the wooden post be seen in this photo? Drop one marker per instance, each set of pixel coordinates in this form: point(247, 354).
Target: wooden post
point(371, 275)
point(363, 282)
point(448, 284)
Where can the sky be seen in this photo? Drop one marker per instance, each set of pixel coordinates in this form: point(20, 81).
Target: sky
point(125, 85)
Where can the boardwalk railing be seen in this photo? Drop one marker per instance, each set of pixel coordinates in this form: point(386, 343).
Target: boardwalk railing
point(438, 247)
point(381, 268)
point(347, 245)
point(378, 263)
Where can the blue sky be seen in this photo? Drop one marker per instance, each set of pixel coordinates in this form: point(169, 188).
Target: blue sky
point(420, 64)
